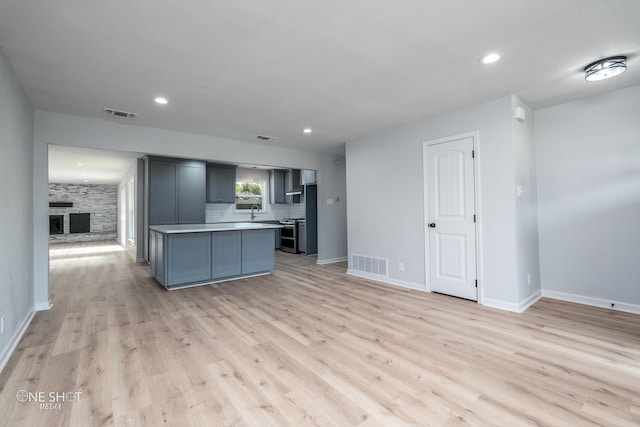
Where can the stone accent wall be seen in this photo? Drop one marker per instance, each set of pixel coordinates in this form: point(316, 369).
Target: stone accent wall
point(98, 200)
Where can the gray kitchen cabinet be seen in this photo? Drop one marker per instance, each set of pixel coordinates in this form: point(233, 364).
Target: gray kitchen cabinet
point(156, 256)
point(277, 233)
point(257, 251)
point(308, 177)
point(152, 254)
point(277, 238)
point(188, 258)
point(293, 186)
point(183, 256)
point(221, 183)
point(226, 252)
point(191, 189)
point(277, 188)
point(176, 191)
point(163, 188)
point(302, 237)
point(311, 222)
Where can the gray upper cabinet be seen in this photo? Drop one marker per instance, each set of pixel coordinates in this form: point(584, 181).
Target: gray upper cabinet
point(293, 183)
point(277, 189)
point(221, 183)
point(308, 177)
point(163, 188)
point(176, 191)
point(191, 189)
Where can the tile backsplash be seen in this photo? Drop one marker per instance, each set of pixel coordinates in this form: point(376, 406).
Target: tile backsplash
point(224, 212)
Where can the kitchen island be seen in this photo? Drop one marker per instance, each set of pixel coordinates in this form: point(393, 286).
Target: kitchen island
point(185, 255)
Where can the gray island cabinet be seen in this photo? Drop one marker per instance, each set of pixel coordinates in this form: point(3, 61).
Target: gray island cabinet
point(185, 255)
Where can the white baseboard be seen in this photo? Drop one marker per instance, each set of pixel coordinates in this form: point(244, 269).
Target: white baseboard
point(331, 260)
point(510, 306)
point(387, 280)
point(532, 299)
point(5, 355)
point(595, 302)
point(43, 306)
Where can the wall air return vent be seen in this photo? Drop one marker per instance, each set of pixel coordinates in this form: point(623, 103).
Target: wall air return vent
point(368, 264)
point(120, 113)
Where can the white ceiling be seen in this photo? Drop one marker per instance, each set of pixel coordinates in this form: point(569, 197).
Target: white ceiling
point(347, 69)
point(73, 165)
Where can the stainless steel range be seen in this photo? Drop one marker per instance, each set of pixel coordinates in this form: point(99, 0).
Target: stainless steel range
point(289, 235)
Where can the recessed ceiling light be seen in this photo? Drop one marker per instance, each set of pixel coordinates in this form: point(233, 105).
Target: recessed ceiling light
point(161, 100)
point(306, 130)
point(605, 68)
point(80, 164)
point(86, 180)
point(489, 58)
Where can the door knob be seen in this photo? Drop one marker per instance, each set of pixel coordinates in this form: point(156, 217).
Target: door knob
point(432, 225)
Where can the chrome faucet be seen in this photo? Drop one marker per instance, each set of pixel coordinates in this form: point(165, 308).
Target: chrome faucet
point(253, 215)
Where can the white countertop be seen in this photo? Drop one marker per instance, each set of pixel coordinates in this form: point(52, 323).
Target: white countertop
point(201, 228)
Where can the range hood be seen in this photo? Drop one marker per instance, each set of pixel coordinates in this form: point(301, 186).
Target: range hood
point(296, 191)
point(295, 188)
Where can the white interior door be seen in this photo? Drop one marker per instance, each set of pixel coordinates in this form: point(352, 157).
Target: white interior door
point(451, 218)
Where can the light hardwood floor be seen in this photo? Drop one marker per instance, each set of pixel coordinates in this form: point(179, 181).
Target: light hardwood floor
point(309, 345)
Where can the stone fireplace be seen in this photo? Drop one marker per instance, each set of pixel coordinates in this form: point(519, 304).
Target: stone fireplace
point(82, 212)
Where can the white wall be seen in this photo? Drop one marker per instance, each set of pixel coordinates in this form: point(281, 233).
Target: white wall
point(385, 190)
point(62, 129)
point(135, 250)
point(16, 209)
point(527, 245)
point(588, 166)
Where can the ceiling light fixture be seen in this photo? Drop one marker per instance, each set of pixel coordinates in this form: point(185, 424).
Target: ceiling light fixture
point(306, 130)
point(161, 100)
point(489, 58)
point(605, 68)
point(80, 164)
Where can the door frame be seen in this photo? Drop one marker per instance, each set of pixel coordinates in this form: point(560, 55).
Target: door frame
point(475, 136)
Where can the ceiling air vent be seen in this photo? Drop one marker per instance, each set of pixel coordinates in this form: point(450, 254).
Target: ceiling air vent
point(120, 113)
point(265, 137)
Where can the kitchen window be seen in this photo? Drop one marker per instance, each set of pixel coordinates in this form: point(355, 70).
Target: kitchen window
point(249, 194)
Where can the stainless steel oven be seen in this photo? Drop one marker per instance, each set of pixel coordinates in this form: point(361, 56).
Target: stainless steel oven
point(289, 236)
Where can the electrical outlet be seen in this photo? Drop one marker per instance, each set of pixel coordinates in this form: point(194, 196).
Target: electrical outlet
point(529, 281)
point(401, 266)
